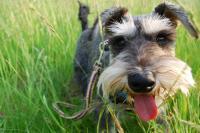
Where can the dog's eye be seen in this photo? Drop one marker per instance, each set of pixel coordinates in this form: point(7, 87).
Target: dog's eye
point(163, 38)
point(118, 43)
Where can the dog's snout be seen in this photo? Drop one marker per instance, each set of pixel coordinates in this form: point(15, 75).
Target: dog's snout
point(140, 83)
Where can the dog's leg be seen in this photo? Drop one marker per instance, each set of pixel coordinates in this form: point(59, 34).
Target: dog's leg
point(104, 119)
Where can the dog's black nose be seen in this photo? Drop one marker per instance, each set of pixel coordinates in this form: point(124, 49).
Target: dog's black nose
point(140, 83)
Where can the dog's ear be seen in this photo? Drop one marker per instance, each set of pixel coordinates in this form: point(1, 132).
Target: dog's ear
point(175, 13)
point(113, 16)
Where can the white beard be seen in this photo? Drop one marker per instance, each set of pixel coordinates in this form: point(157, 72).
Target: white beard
point(171, 74)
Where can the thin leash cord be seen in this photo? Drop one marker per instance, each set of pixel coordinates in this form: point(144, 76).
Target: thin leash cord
point(95, 74)
point(92, 82)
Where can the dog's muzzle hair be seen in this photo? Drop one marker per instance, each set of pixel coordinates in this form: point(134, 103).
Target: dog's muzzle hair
point(170, 75)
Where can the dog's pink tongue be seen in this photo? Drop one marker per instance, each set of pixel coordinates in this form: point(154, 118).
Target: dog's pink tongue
point(145, 107)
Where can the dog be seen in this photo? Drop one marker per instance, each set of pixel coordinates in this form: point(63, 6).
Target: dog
point(140, 60)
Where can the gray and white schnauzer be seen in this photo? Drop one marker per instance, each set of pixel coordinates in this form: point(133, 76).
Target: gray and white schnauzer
point(140, 60)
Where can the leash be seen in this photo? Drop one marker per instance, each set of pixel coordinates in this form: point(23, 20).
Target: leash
point(91, 85)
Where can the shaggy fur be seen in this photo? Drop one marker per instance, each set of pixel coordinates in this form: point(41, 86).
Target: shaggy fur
point(142, 45)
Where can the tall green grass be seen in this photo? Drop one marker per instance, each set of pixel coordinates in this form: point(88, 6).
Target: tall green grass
point(37, 44)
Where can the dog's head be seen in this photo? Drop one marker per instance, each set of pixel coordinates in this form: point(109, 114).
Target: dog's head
point(143, 62)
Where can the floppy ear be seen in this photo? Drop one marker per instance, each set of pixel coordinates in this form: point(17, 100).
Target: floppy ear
point(175, 13)
point(115, 20)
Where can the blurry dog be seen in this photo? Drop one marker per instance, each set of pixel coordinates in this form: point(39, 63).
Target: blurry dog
point(140, 61)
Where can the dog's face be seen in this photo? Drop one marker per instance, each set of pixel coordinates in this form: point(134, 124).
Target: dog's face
point(143, 62)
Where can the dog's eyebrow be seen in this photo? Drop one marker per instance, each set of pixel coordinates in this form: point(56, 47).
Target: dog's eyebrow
point(155, 23)
point(125, 27)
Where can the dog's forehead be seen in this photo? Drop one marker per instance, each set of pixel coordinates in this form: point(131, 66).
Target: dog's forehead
point(148, 24)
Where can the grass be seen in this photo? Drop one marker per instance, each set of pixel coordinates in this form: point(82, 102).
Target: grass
point(37, 44)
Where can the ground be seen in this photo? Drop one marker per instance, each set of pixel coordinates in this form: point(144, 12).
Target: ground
point(37, 45)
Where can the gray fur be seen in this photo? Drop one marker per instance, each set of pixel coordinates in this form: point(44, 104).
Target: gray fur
point(133, 57)
point(179, 13)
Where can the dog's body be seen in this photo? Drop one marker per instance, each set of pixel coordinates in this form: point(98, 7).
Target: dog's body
point(141, 58)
